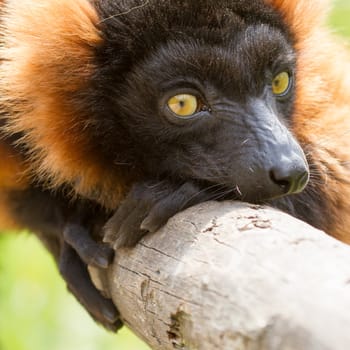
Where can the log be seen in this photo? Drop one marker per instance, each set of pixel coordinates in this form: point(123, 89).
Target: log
point(235, 276)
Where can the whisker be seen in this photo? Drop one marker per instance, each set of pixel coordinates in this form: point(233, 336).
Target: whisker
point(125, 12)
point(217, 193)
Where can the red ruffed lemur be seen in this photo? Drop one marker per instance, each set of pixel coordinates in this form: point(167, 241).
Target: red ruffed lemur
point(118, 114)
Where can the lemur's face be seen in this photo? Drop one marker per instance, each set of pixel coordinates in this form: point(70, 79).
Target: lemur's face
point(165, 89)
point(215, 109)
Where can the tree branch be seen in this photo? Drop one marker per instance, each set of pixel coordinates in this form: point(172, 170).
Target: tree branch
point(235, 276)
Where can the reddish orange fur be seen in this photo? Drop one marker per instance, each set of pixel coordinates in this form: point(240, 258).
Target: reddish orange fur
point(12, 178)
point(7, 221)
point(322, 114)
point(48, 56)
point(303, 16)
point(12, 170)
point(40, 35)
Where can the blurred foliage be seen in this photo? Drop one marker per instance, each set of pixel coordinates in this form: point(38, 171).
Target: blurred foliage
point(339, 18)
point(36, 311)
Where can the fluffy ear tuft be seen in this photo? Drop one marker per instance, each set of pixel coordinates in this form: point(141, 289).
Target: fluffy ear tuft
point(302, 16)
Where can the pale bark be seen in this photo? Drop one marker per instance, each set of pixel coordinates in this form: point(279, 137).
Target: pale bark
point(235, 276)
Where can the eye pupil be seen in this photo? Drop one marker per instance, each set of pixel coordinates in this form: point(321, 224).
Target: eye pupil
point(183, 105)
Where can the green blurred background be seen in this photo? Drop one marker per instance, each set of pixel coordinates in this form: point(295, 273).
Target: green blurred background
point(36, 311)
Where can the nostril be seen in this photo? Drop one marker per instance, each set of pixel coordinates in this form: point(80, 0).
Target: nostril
point(292, 181)
point(284, 183)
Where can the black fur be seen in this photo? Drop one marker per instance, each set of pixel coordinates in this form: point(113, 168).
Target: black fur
point(226, 54)
point(238, 146)
point(66, 228)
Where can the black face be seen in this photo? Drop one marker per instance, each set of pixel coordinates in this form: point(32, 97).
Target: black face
point(211, 108)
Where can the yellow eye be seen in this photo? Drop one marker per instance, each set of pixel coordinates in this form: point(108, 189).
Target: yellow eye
point(183, 105)
point(281, 84)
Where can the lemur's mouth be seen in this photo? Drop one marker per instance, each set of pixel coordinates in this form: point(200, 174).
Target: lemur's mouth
point(221, 192)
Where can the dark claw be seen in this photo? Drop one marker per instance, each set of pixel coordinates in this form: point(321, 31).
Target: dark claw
point(74, 271)
point(147, 207)
point(126, 232)
point(91, 252)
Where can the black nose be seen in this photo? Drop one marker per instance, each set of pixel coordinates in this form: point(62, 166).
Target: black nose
point(290, 177)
